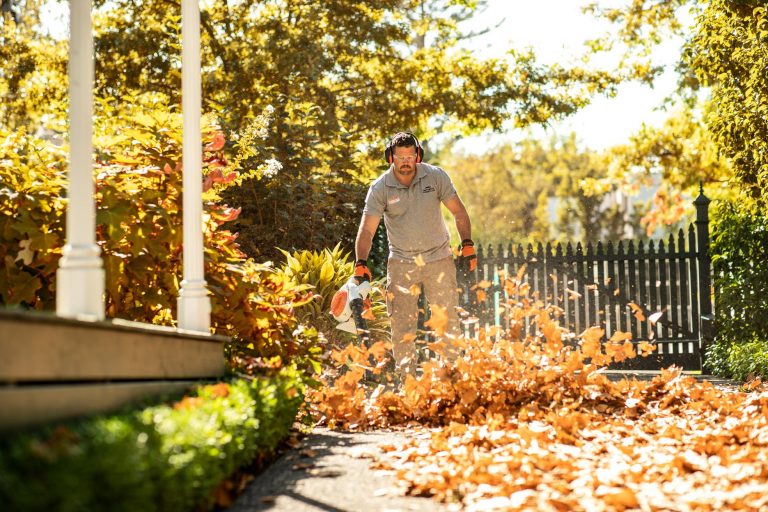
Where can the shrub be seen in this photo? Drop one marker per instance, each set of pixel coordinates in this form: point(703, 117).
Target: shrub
point(297, 212)
point(325, 272)
point(31, 218)
point(739, 251)
point(165, 458)
point(139, 229)
point(749, 360)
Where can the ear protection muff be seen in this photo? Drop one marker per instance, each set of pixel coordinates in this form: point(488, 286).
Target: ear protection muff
point(389, 152)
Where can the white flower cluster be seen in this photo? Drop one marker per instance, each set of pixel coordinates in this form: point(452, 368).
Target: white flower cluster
point(262, 122)
point(272, 168)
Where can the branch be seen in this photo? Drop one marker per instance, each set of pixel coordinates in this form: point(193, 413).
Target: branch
point(215, 44)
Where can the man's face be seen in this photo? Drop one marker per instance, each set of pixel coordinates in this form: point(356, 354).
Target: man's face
point(405, 160)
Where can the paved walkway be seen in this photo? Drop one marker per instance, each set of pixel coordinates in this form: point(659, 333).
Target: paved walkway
point(331, 472)
point(724, 384)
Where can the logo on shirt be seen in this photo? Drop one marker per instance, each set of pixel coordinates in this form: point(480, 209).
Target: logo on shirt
point(428, 188)
point(393, 200)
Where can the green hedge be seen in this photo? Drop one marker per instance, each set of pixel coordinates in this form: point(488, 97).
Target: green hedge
point(739, 252)
point(165, 458)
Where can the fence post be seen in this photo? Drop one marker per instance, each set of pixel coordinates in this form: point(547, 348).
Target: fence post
point(706, 325)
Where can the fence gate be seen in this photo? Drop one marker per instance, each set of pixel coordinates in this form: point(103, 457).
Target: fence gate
point(660, 292)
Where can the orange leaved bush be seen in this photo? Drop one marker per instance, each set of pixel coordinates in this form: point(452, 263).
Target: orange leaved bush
point(138, 196)
point(536, 424)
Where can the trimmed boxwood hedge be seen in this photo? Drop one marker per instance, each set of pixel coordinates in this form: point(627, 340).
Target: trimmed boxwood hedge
point(169, 457)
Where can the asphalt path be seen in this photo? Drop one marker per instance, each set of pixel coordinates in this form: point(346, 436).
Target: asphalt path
point(331, 472)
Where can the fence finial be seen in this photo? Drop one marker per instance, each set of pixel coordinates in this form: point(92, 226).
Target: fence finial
point(702, 205)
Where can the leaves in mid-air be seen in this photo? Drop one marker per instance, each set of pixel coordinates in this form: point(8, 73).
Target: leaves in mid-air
point(536, 424)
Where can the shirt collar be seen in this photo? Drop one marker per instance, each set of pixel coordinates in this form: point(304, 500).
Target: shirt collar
point(391, 181)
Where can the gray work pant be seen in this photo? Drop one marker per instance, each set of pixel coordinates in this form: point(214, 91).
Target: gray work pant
point(403, 281)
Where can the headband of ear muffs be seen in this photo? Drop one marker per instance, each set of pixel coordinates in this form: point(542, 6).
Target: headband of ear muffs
point(389, 152)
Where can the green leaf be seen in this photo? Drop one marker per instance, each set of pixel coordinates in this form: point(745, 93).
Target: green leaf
point(22, 288)
point(115, 276)
point(326, 272)
point(44, 240)
point(113, 215)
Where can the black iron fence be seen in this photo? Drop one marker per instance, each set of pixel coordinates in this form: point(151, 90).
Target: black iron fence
point(659, 292)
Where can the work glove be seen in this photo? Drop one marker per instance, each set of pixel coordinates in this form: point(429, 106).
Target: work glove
point(361, 271)
point(467, 251)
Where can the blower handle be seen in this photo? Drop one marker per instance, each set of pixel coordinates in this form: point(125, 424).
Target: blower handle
point(357, 306)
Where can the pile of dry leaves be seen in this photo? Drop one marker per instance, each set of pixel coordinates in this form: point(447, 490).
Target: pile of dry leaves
point(535, 424)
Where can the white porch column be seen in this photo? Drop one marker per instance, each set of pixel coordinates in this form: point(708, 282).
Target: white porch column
point(80, 277)
point(194, 304)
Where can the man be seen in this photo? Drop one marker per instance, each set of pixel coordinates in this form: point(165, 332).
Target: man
point(409, 196)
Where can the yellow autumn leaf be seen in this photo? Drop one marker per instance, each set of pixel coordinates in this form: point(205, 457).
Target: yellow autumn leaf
point(591, 341)
point(637, 311)
point(514, 400)
point(438, 321)
point(644, 348)
point(620, 336)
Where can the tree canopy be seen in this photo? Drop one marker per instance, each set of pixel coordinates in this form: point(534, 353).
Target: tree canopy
point(307, 93)
point(338, 77)
point(33, 77)
point(720, 127)
point(728, 52)
point(537, 191)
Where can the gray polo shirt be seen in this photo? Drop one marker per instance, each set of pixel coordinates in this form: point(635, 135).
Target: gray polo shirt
point(412, 214)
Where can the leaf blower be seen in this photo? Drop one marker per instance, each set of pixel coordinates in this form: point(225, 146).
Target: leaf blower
point(350, 306)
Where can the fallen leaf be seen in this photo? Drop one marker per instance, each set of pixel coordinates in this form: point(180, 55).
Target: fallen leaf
point(526, 419)
point(637, 311)
point(620, 336)
point(644, 348)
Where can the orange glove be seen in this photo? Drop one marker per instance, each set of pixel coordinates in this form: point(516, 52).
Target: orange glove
point(361, 271)
point(468, 253)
